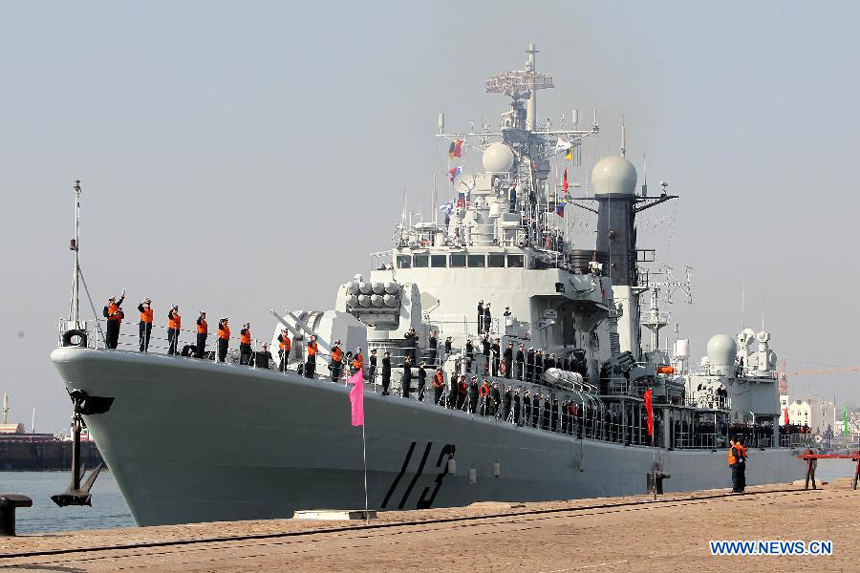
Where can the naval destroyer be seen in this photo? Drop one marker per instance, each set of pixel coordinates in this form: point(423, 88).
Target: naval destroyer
point(191, 439)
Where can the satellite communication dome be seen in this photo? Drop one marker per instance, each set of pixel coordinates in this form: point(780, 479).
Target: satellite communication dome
point(614, 175)
point(498, 158)
point(722, 350)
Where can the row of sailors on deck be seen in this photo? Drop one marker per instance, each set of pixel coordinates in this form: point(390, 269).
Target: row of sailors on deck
point(114, 314)
point(514, 362)
point(521, 363)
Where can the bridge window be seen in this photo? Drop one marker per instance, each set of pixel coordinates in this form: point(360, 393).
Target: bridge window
point(477, 261)
point(496, 260)
point(437, 261)
point(458, 260)
point(421, 261)
point(515, 260)
point(404, 261)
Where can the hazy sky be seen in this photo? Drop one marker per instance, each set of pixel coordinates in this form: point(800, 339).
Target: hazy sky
point(238, 157)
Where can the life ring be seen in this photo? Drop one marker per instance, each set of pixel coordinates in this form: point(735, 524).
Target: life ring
point(70, 334)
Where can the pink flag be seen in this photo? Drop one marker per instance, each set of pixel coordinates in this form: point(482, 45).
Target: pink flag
point(356, 398)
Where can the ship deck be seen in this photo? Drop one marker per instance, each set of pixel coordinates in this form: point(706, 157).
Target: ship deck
point(634, 534)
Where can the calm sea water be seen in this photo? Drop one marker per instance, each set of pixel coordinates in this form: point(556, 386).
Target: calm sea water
point(110, 510)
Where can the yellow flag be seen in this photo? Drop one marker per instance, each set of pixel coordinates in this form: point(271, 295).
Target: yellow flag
point(569, 155)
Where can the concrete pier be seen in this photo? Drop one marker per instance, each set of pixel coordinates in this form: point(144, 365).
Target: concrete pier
point(630, 534)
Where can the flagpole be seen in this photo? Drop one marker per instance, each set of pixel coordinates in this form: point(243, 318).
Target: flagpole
point(364, 455)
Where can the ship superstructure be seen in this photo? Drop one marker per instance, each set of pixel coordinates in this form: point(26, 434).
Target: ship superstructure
point(260, 443)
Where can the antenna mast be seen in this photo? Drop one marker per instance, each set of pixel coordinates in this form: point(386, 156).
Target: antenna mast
point(531, 104)
point(75, 308)
point(623, 138)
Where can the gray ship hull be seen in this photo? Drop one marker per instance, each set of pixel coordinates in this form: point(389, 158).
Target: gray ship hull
point(190, 440)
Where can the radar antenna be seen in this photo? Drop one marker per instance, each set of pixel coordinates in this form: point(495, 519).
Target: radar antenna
point(521, 85)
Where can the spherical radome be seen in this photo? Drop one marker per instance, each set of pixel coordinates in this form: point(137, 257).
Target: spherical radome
point(722, 350)
point(498, 158)
point(614, 174)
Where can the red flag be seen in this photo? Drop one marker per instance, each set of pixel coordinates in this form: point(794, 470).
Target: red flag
point(356, 398)
point(649, 409)
point(785, 415)
point(458, 148)
point(564, 180)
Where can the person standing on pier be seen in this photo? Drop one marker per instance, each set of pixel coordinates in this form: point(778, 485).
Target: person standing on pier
point(202, 333)
point(146, 315)
point(386, 373)
point(488, 319)
point(223, 339)
point(174, 323)
point(113, 313)
point(742, 463)
point(734, 463)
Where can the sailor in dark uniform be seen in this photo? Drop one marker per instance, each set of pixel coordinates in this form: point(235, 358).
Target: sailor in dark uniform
point(517, 407)
point(386, 373)
point(406, 378)
point(422, 380)
point(527, 405)
point(520, 358)
point(506, 403)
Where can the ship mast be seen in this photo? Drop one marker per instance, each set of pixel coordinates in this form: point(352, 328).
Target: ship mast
point(531, 111)
point(75, 307)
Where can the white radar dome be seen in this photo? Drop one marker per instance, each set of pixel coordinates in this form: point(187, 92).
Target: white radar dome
point(722, 350)
point(498, 158)
point(614, 175)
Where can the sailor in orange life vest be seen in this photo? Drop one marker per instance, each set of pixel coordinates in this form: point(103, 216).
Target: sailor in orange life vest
point(438, 385)
point(223, 339)
point(174, 323)
point(284, 345)
point(245, 344)
point(336, 361)
point(311, 364)
point(737, 461)
point(357, 362)
point(113, 313)
point(202, 333)
point(145, 308)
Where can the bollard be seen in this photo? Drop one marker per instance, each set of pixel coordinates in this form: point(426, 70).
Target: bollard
point(8, 503)
point(654, 482)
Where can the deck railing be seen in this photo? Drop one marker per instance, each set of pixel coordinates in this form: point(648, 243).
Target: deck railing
point(593, 419)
